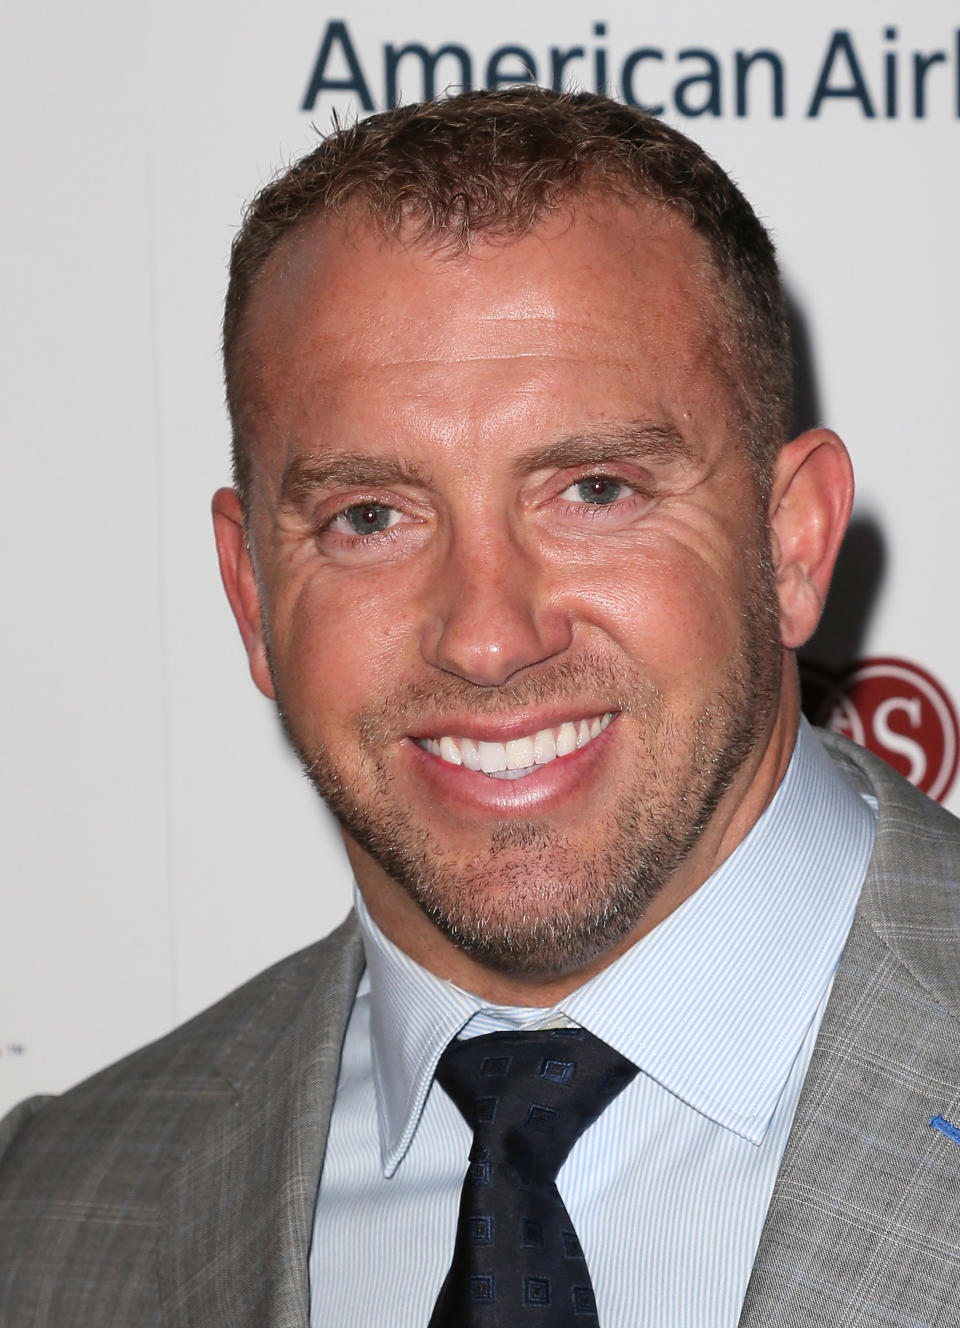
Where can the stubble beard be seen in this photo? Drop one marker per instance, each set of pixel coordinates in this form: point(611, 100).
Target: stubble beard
point(553, 908)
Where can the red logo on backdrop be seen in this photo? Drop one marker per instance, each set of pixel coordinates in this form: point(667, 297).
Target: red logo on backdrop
point(893, 708)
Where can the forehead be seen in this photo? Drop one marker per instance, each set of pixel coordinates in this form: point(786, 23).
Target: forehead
point(604, 311)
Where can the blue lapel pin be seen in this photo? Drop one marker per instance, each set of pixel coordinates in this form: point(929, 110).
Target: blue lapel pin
point(946, 1128)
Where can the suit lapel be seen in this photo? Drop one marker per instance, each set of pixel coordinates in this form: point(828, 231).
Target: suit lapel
point(862, 1226)
point(240, 1209)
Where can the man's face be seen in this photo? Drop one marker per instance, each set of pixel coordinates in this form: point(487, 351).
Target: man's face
point(500, 516)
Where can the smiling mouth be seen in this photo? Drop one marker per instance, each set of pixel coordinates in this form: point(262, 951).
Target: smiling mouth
point(520, 756)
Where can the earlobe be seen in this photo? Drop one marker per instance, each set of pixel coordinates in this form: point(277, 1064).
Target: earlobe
point(810, 505)
point(240, 583)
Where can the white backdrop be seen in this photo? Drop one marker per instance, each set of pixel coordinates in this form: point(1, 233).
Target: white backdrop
point(159, 843)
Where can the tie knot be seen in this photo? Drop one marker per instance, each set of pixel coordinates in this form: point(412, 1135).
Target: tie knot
point(528, 1096)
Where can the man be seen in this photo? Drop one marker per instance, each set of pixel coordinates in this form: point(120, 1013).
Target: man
point(519, 548)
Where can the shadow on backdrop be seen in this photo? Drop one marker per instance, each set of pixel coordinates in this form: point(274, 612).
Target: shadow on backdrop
point(861, 565)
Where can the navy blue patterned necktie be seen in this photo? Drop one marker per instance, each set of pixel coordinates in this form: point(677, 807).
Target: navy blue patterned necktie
point(527, 1096)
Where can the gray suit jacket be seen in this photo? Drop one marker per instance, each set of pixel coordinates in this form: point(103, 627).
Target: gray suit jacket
point(177, 1187)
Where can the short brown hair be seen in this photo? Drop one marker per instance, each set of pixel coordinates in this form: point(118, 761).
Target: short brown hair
point(495, 163)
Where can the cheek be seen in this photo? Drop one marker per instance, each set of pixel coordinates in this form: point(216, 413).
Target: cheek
point(338, 644)
point(671, 609)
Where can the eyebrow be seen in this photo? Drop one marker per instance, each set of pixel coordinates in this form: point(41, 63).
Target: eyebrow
point(638, 439)
point(303, 475)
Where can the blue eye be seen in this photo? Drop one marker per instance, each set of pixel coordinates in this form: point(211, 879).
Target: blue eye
point(599, 490)
point(368, 518)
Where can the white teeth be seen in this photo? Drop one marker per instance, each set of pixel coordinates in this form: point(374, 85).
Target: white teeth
point(449, 751)
point(544, 747)
point(471, 757)
point(492, 757)
point(566, 739)
point(520, 753)
point(520, 756)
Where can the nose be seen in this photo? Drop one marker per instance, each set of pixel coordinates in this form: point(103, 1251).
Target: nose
point(492, 613)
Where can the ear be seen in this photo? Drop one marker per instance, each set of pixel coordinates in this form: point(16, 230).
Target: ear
point(810, 505)
point(240, 583)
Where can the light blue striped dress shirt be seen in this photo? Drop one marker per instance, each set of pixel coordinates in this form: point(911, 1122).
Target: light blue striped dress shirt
point(719, 1007)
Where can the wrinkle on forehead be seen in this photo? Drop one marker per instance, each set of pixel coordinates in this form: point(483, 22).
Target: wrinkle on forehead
point(346, 318)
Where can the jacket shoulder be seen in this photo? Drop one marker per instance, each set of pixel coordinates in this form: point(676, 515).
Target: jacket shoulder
point(912, 890)
point(203, 1060)
point(85, 1174)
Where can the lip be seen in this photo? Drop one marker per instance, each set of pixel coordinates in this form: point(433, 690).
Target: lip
point(462, 791)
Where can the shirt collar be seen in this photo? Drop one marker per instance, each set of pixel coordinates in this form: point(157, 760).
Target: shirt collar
point(413, 1015)
point(713, 1003)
